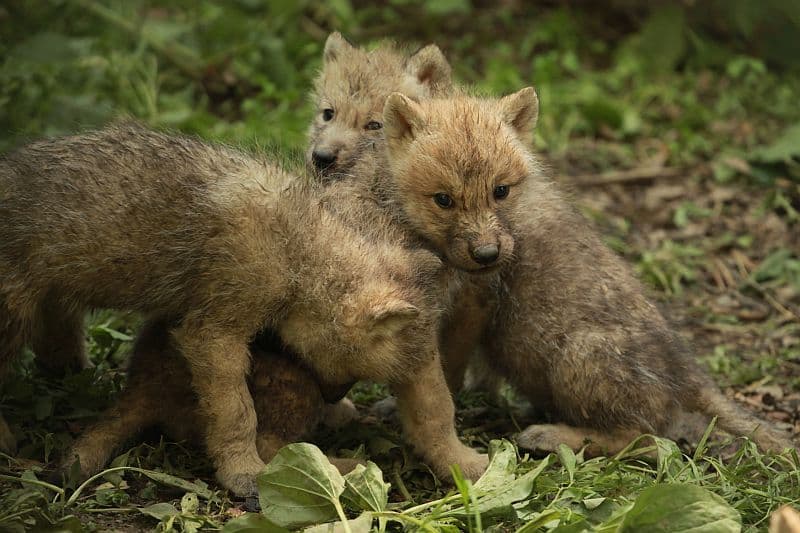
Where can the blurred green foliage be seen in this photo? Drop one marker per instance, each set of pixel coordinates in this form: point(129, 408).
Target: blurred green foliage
point(711, 86)
point(242, 69)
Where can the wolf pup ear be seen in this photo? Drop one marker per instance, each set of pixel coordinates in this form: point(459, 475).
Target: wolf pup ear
point(335, 47)
point(389, 317)
point(378, 310)
point(402, 120)
point(520, 111)
point(430, 68)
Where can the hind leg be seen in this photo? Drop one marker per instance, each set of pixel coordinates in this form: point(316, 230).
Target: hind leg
point(152, 396)
point(58, 338)
point(132, 413)
point(547, 437)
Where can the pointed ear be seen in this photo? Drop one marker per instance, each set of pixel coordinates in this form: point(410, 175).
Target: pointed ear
point(378, 310)
point(520, 111)
point(390, 316)
point(430, 68)
point(402, 120)
point(335, 47)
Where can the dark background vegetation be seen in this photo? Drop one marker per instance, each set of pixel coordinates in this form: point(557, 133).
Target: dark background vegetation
point(675, 124)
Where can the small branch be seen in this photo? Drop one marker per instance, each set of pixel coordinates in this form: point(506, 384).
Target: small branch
point(623, 176)
point(784, 310)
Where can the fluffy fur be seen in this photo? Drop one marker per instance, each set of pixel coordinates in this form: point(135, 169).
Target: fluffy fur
point(572, 329)
point(349, 94)
point(223, 245)
point(288, 403)
point(355, 83)
point(557, 312)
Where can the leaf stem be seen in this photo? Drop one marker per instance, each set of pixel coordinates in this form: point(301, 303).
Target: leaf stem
point(74, 496)
point(402, 486)
point(345, 524)
point(402, 517)
point(442, 501)
point(37, 482)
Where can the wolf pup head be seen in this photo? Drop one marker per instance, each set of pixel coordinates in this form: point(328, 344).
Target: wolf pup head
point(350, 91)
point(366, 306)
point(457, 168)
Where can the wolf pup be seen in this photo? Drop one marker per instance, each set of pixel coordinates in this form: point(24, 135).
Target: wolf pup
point(350, 91)
point(573, 329)
point(288, 402)
point(223, 245)
point(440, 188)
point(345, 141)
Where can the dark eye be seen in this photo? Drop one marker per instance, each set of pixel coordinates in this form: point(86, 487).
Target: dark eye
point(443, 200)
point(373, 125)
point(501, 191)
point(327, 114)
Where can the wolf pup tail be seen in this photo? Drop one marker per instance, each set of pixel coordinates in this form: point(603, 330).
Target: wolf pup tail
point(736, 421)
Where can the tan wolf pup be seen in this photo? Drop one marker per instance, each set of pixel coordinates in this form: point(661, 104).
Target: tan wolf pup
point(502, 310)
point(223, 245)
point(461, 240)
point(288, 402)
point(349, 94)
point(572, 328)
point(346, 142)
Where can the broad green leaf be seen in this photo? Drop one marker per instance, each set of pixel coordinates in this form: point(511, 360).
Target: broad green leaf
point(676, 508)
point(593, 503)
point(499, 500)
point(669, 458)
point(252, 523)
point(300, 487)
point(362, 524)
point(120, 460)
point(568, 459)
point(199, 488)
point(536, 522)
point(160, 511)
point(365, 489)
point(502, 464)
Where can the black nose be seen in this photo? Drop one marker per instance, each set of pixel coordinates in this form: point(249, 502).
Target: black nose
point(323, 159)
point(486, 254)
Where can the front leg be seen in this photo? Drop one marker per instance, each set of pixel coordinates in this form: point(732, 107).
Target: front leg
point(427, 415)
point(219, 363)
point(461, 333)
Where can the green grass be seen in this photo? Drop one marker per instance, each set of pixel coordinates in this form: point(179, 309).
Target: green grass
point(676, 128)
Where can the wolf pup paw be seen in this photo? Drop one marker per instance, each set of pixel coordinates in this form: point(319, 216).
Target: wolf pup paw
point(541, 437)
point(474, 465)
point(240, 481)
